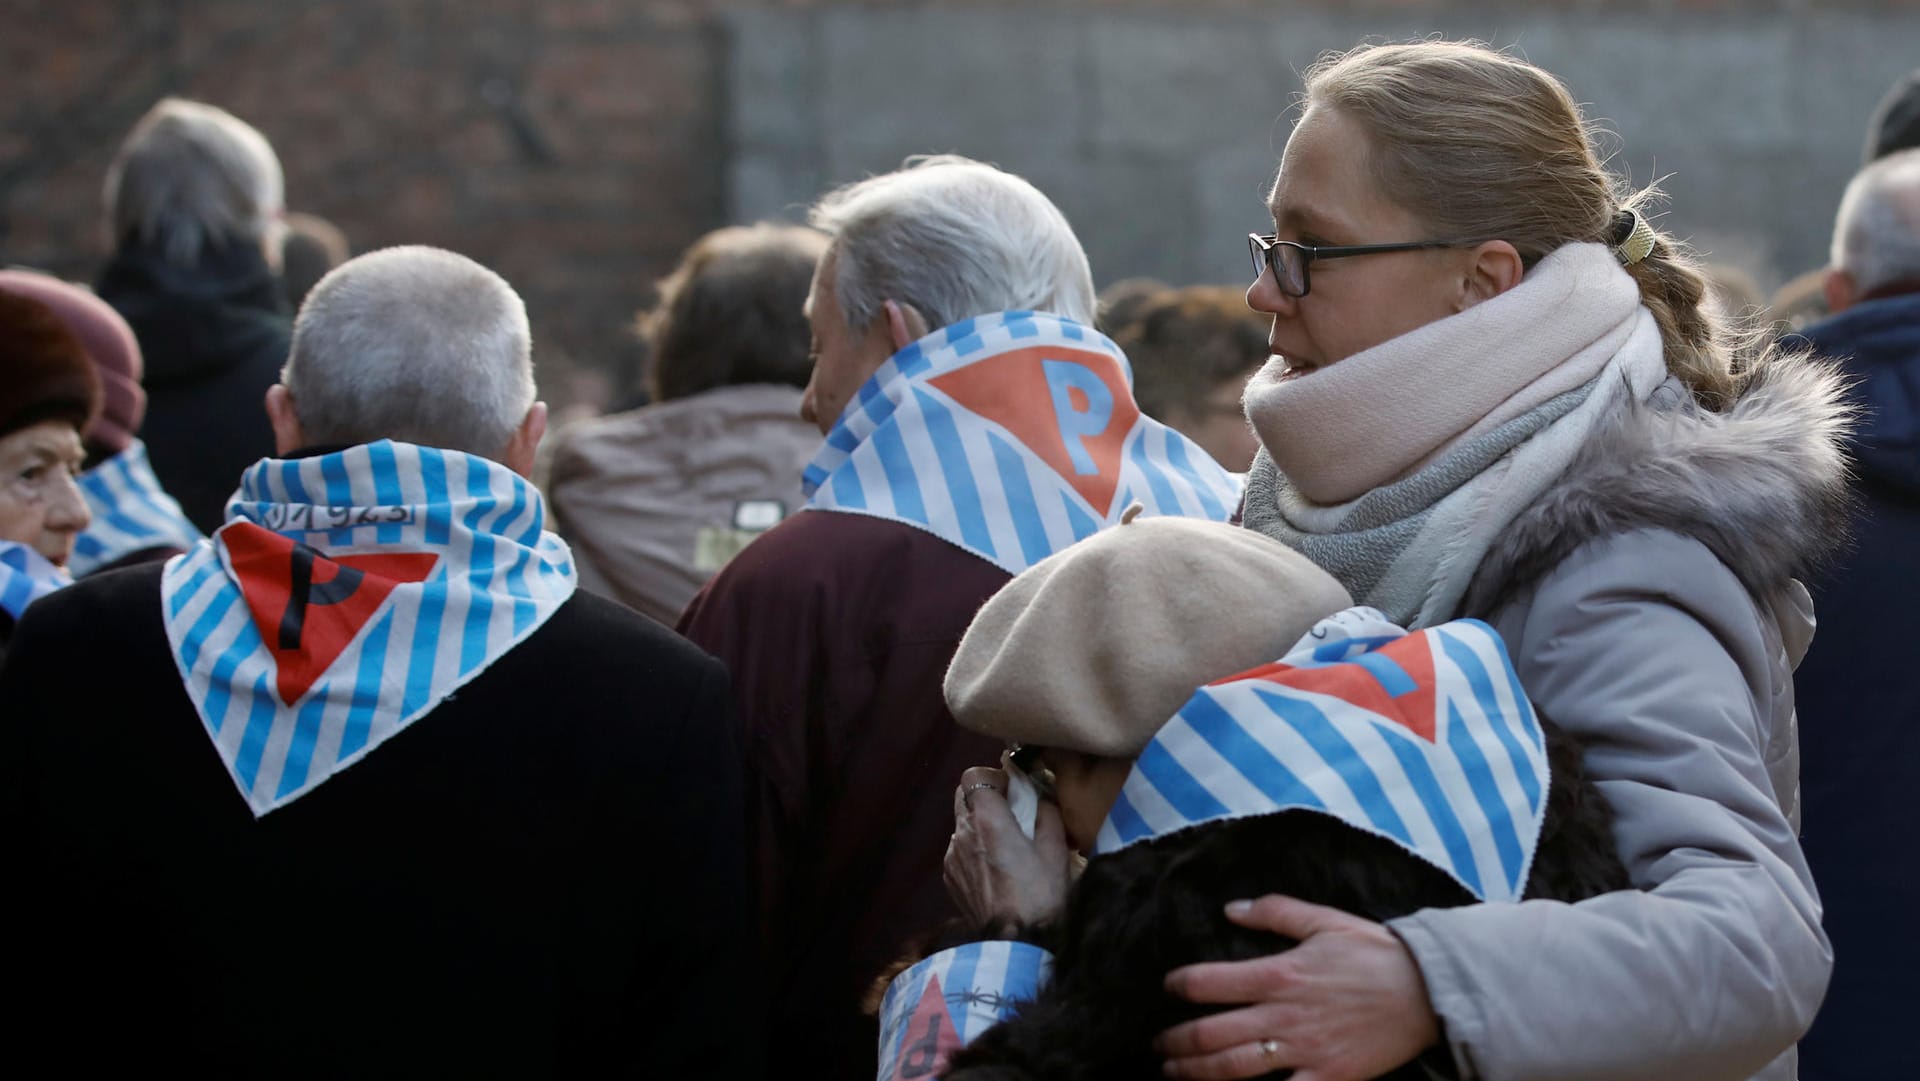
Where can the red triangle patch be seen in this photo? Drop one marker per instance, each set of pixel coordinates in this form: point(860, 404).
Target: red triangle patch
point(1404, 661)
point(930, 1039)
point(307, 606)
point(1071, 407)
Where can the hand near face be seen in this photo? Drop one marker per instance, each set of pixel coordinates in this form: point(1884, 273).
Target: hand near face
point(994, 873)
point(1346, 1004)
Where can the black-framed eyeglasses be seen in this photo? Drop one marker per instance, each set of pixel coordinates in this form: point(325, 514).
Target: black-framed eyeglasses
point(1290, 259)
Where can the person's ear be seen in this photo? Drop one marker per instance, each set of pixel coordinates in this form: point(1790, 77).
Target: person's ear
point(905, 324)
point(519, 452)
point(1841, 290)
point(1493, 267)
point(288, 435)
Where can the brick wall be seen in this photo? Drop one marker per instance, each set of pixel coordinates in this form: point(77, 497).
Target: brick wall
point(570, 144)
point(578, 145)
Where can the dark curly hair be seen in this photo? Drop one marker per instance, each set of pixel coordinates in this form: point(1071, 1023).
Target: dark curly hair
point(1149, 908)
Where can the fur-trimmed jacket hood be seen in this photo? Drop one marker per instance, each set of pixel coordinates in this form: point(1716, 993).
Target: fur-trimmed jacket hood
point(1764, 485)
point(1650, 603)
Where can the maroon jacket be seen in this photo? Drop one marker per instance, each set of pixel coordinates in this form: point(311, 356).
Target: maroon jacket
point(838, 629)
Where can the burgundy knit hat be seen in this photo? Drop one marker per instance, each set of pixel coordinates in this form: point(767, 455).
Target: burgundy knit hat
point(44, 370)
point(108, 342)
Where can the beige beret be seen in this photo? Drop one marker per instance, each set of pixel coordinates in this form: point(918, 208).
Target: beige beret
point(1097, 646)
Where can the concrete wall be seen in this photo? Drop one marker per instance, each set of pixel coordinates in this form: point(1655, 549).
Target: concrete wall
point(1157, 129)
point(579, 145)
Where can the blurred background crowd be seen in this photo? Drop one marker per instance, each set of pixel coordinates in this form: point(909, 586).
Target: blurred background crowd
point(641, 172)
point(578, 146)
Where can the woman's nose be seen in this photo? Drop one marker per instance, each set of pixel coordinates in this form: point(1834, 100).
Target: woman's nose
point(67, 511)
point(1264, 295)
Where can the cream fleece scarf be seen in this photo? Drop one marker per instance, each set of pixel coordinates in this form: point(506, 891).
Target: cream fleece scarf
point(1395, 468)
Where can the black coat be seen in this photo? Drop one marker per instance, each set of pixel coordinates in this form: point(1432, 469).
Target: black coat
point(1858, 696)
point(542, 876)
point(214, 337)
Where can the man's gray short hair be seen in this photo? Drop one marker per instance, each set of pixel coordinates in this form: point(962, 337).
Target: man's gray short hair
point(190, 177)
point(415, 344)
point(954, 238)
point(1876, 237)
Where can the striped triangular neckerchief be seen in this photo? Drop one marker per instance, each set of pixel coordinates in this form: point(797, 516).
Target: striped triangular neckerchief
point(131, 512)
point(347, 596)
point(941, 1004)
point(1011, 435)
point(25, 577)
point(1426, 739)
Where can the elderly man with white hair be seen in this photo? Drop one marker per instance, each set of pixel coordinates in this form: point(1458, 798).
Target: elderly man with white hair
point(361, 783)
point(975, 424)
point(194, 208)
point(1858, 691)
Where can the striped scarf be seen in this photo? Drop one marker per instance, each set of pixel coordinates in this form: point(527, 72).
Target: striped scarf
point(1425, 739)
point(131, 512)
point(939, 1005)
point(1010, 435)
point(25, 577)
point(347, 596)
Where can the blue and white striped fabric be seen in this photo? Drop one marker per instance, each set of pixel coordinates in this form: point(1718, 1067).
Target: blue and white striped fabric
point(131, 512)
point(1426, 739)
point(1012, 435)
point(939, 1005)
point(25, 577)
point(478, 575)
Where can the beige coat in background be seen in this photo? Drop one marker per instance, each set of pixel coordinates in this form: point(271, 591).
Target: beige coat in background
point(655, 500)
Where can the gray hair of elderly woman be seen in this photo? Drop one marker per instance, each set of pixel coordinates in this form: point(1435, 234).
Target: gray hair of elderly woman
point(1876, 234)
point(414, 344)
point(731, 311)
point(190, 177)
point(954, 238)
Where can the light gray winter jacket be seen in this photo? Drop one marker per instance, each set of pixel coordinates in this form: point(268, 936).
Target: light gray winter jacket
point(1651, 606)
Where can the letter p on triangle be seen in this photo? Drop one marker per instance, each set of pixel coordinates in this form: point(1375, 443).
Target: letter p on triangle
point(1070, 407)
point(308, 606)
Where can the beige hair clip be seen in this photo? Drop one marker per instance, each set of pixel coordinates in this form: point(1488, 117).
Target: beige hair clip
point(1633, 237)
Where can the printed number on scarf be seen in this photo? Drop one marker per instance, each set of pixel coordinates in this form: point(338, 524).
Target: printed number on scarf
point(282, 517)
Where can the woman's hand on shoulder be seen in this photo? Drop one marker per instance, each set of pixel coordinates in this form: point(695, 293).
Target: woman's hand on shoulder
point(996, 874)
point(1348, 1003)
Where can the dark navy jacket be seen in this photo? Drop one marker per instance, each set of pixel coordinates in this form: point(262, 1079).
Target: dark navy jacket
point(1859, 702)
point(214, 336)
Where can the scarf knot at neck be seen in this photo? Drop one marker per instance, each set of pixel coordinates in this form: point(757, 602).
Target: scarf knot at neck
point(1396, 483)
point(347, 596)
point(1368, 419)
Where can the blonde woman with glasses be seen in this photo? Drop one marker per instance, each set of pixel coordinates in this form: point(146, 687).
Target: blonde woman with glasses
point(1495, 391)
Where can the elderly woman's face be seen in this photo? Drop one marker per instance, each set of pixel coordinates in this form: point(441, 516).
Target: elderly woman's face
point(1325, 195)
point(40, 506)
point(1084, 787)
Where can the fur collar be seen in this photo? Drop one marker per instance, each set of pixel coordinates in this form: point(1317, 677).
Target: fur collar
point(1765, 485)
